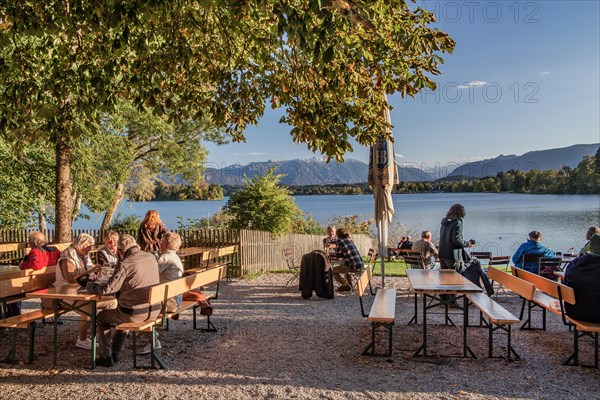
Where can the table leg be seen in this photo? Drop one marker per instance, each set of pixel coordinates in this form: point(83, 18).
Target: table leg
point(466, 350)
point(414, 317)
point(54, 339)
point(423, 348)
point(93, 328)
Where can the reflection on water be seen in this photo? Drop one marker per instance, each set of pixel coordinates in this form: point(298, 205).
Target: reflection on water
point(498, 222)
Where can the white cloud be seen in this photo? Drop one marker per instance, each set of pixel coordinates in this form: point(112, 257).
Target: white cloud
point(398, 155)
point(472, 84)
point(545, 73)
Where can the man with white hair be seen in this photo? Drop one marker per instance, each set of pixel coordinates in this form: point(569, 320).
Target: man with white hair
point(74, 262)
point(135, 274)
point(41, 255)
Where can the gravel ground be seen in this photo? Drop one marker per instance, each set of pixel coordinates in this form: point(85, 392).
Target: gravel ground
point(273, 344)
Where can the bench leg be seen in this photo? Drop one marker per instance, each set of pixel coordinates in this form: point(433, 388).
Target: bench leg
point(209, 325)
point(370, 349)
point(573, 359)
point(31, 329)
point(155, 359)
point(510, 351)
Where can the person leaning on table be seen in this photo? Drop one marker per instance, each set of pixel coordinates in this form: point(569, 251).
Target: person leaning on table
point(583, 275)
point(73, 262)
point(134, 275)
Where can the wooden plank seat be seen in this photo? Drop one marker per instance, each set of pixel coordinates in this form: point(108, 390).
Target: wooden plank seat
point(550, 292)
point(382, 313)
point(160, 294)
point(498, 318)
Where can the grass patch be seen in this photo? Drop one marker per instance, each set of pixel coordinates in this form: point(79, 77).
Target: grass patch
point(392, 268)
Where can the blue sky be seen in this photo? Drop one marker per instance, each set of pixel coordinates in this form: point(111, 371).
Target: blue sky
point(524, 76)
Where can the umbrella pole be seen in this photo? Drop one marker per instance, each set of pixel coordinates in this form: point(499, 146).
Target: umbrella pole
point(383, 248)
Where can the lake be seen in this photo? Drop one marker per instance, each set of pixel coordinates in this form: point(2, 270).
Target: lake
point(498, 222)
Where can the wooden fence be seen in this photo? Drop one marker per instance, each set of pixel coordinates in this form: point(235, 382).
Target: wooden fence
point(259, 252)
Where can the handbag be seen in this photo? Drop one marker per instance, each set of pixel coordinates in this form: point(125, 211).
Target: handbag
point(471, 269)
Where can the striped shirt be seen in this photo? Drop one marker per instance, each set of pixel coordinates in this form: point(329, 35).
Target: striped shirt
point(347, 251)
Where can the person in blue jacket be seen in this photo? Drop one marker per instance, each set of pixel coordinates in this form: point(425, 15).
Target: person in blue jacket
point(531, 246)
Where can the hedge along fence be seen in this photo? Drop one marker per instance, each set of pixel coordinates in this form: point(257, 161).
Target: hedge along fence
point(259, 252)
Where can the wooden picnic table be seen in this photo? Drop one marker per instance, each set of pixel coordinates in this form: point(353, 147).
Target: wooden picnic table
point(431, 284)
point(62, 297)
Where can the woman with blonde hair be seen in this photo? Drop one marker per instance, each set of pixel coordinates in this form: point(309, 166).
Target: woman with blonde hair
point(151, 232)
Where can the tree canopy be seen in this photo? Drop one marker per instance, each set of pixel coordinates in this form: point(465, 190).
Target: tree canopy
point(64, 64)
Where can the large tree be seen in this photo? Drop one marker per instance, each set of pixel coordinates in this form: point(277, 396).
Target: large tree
point(64, 63)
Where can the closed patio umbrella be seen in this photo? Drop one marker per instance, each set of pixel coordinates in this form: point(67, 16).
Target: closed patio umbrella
point(382, 176)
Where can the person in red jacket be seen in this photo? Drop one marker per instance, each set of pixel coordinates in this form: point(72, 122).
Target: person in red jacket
point(40, 255)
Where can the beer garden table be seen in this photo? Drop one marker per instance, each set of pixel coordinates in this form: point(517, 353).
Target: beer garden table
point(432, 284)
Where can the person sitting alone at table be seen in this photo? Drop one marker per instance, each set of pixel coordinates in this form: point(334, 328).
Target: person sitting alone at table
point(583, 275)
point(593, 230)
point(107, 254)
point(330, 241)
point(170, 268)
point(428, 251)
point(73, 263)
point(352, 261)
point(531, 247)
point(39, 257)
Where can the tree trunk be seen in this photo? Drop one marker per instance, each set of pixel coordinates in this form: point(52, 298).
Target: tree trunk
point(64, 188)
point(76, 206)
point(42, 215)
point(117, 197)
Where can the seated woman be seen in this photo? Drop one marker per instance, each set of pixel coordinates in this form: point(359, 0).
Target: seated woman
point(330, 241)
point(583, 275)
point(170, 268)
point(107, 254)
point(73, 263)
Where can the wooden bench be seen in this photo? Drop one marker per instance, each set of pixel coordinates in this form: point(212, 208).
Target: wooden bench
point(498, 318)
point(13, 290)
point(382, 312)
point(210, 260)
point(547, 292)
point(161, 293)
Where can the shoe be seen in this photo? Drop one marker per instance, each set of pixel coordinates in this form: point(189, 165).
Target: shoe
point(115, 357)
point(345, 288)
point(85, 344)
point(105, 362)
point(146, 349)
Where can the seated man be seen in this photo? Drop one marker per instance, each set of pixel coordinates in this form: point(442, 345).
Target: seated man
point(426, 248)
point(531, 246)
point(330, 241)
point(346, 251)
point(583, 275)
point(73, 263)
point(593, 230)
point(405, 244)
point(134, 275)
point(41, 255)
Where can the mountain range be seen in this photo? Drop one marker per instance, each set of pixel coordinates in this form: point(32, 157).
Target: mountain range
point(315, 171)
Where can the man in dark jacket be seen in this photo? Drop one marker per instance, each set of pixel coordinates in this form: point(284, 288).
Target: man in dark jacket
point(133, 277)
point(583, 275)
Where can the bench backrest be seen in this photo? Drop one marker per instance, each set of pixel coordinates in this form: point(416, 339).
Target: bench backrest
point(25, 284)
point(551, 288)
point(519, 286)
point(12, 246)
point(499, 260)
point(179, 286)
point(60, 246)
point(363, 281)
